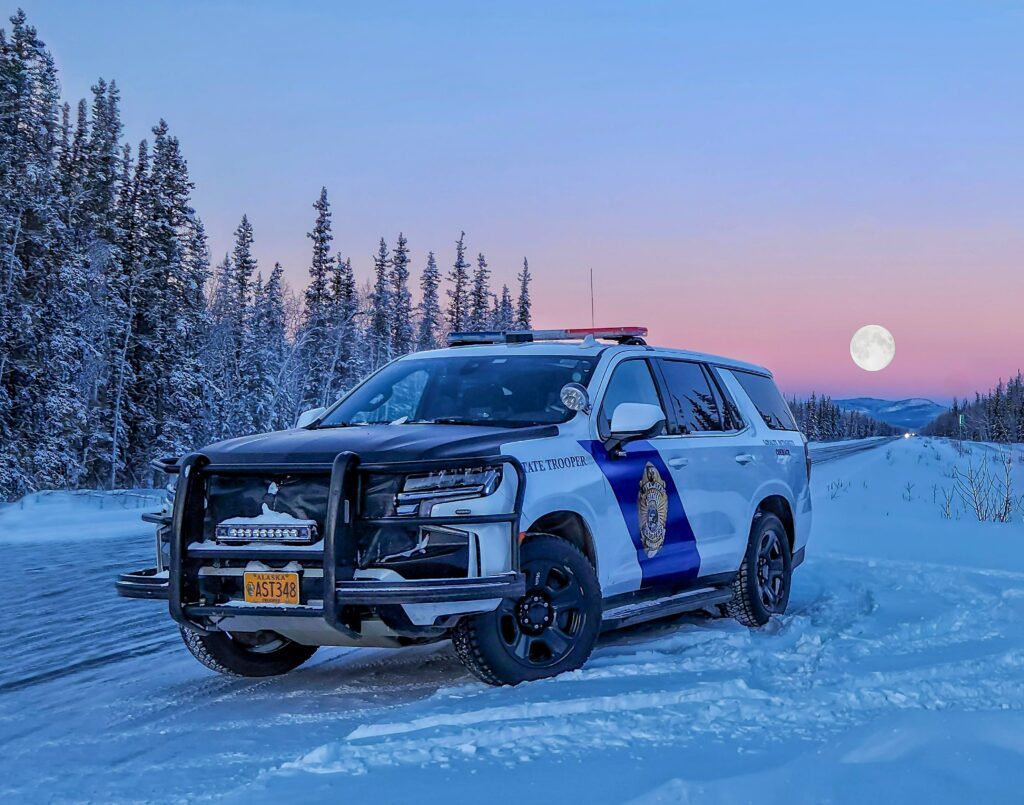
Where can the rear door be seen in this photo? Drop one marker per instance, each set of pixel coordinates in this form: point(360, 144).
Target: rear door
point(710, 455)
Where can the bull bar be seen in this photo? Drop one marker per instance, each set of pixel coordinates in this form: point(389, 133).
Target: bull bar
point(339, 524)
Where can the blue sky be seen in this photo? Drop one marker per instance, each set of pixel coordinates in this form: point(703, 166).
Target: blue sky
point(752, 178)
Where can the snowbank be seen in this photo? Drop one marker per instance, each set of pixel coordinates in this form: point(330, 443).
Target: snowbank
point(59, 516)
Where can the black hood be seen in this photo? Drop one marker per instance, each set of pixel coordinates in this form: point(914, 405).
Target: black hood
point(372, 443)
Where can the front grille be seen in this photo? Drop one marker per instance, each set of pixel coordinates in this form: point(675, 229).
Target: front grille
point(265, 508)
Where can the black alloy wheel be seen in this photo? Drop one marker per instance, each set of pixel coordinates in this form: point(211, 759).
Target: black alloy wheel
point(761, 587)
point(550, 630)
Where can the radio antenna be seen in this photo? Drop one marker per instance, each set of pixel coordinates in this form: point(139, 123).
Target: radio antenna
point(592, 298)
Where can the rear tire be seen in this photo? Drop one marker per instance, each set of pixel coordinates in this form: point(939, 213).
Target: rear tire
point(550, 630)
point(253, 655)
point(761, 588)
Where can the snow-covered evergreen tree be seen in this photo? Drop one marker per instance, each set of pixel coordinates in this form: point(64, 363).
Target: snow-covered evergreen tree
point(480, 297)
point(428, 331)
point(314, 336)
point(458, 293)
point(504, 311)
point(379, 329)
point(348, 360)
point(173, 312)
point(39, 363)
point(524, 306)
point(401, 300)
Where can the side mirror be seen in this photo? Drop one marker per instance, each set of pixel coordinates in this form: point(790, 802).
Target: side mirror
point(308, 417)
point(575, 397)
point(632, 421)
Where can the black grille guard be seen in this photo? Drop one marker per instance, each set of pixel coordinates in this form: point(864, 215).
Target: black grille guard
point(342, 514)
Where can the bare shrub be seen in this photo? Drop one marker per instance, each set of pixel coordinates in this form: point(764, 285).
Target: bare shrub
point(989, 496)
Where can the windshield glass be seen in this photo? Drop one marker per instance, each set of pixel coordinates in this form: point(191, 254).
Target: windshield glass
point(499, 390)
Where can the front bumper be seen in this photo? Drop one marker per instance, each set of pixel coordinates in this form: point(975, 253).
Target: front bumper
point(339, 591)
point(152, 584)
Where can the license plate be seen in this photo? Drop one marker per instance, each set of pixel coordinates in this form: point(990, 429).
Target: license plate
point(272, 588)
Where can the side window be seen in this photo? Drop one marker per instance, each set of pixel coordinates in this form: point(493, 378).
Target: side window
point(692, 398)
point(631, 382)
point(731, 417)
point(767, 399)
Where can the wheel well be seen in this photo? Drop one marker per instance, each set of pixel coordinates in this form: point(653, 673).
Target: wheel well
point(779, 506)
point(568, 526)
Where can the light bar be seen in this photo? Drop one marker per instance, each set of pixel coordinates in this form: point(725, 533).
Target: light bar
point(624, 335)
point(303, 534)
point(262, 529)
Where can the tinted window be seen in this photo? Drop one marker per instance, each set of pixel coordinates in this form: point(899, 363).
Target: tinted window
point(767, 399)
point(631, 382)
point(730, 413)
point(691, 397)
point(502, 390)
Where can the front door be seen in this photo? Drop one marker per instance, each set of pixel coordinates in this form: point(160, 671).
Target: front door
point(644, 487)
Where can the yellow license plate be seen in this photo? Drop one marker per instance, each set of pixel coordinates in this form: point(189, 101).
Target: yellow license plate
point(272, 588)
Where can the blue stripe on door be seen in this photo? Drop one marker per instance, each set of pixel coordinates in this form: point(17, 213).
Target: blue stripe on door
point(678, 559)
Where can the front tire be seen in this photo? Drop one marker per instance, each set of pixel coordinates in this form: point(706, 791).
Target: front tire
point(761, 588)
point(253, 655)
point(550, 630)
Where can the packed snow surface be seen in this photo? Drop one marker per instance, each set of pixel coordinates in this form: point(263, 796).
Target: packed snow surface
point(896, 676)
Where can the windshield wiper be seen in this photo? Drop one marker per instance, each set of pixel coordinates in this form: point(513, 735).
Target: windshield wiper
point(449, 420)
point(350, 424)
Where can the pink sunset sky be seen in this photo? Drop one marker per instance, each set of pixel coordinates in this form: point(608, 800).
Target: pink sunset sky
point(752, 179)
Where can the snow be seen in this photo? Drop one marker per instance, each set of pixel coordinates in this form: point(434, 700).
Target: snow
point(268, 517)
point(897, 675)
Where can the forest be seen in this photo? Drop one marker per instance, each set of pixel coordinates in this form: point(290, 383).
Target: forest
point(120, 343)
point(822, 420)
point(995, 416)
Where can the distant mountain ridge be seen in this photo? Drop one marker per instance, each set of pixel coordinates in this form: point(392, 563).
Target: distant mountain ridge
point(911, 414)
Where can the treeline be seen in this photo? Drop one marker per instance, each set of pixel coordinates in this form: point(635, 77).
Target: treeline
point(997, 416)
point(119, 343)
point(822, 420)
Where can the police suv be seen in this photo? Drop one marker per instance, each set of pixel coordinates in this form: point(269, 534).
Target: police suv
point(517, 492)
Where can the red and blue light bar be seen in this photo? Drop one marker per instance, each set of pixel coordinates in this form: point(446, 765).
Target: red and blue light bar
point(623, 335)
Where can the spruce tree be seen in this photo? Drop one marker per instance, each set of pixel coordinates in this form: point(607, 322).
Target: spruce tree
point(40, 417)
point(458, 293)
point(504, 311)
point(430, 307)
point(380, 327)
point(173, 310)
point(348, 363)
point(524, 314)
point(480, 297)
point(401, 300)
point(314, 336)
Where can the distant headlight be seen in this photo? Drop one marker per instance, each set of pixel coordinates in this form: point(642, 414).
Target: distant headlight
point(462, 483)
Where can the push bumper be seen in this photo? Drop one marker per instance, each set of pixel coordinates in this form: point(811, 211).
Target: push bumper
point(152, 584)
point(173, 585)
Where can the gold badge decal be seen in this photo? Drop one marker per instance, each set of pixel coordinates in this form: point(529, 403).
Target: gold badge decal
point(652, 509)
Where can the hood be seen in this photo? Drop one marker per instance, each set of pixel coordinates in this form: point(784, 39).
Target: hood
point(372, 443)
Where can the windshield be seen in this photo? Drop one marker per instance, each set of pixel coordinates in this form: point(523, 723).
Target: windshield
point(499, 390)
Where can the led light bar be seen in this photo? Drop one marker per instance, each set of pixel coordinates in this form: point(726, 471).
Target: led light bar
point(620, 334)
point(303, 532)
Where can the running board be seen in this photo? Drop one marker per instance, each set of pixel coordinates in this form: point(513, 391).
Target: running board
point(629, 614)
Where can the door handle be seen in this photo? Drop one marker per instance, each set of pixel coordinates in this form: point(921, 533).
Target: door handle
point(678, 463)
point(744, 458)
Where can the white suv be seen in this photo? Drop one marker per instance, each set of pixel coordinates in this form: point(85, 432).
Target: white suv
point(516, 492)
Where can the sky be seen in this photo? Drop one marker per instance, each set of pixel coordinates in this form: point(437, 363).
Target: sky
point(755, 179)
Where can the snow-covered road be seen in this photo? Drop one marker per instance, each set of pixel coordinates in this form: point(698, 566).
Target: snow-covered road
point(898, 674)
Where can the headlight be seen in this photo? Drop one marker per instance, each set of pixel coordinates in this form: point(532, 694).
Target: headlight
point(462, 483)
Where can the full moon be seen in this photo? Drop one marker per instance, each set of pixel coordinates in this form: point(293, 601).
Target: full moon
point(872, 347)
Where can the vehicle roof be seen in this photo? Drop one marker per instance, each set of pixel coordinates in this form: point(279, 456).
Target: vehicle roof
point(588, 347)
